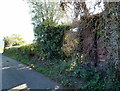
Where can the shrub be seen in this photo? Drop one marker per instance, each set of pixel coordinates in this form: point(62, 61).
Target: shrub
point(50, 37)
point(94, 79)
point(29, 50)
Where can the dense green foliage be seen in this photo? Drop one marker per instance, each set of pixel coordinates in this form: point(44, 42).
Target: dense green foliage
point(48, 33)
point(13, 40)
point(28, 50)
point(50, 37)
point(93, 78)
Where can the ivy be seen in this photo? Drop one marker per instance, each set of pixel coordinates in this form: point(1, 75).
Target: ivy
point(49, 35)
point(101, 32)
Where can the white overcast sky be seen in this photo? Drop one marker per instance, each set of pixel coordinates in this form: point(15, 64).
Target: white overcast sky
point(15, 19)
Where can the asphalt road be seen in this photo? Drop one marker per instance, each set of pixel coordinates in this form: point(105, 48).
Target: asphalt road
point(15, 74)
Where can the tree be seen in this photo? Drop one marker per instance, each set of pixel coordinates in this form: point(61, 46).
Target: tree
point(48, 33)
point(13, 40)
point(42, 10)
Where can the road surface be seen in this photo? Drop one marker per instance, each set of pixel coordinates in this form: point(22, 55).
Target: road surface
point(15, 74)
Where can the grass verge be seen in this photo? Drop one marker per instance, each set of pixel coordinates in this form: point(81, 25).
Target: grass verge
point(70, 75)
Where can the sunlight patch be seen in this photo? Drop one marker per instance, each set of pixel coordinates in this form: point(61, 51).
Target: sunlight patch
point(19, 88)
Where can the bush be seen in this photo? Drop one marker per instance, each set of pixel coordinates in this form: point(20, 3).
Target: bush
point(50, 36)
point(29, 50)
point(94, 79)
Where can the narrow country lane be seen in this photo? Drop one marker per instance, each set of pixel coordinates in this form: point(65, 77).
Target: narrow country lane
point(15, 74)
